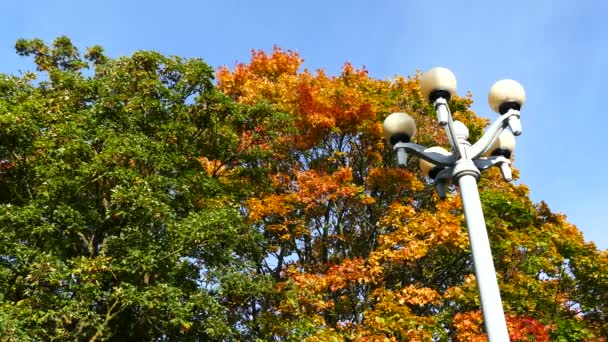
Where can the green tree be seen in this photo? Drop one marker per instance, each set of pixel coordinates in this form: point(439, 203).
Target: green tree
point(117, 218)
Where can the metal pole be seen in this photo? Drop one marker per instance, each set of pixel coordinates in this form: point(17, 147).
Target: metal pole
point(491, 304)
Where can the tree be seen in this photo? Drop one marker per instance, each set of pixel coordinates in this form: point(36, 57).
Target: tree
point(120, 212)
point(362, 250)
point(141, 200)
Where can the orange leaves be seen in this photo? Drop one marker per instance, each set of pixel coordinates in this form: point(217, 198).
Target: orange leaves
point(249, 83)
point(325, 103)
point(266, 77)
point(389, 318)
point(337, 277)
point(417, 296)
point(468, 327)
point(523, 328)
point(409, 295)
point(364, 237)
point(314, 189)
point(280, 181)
point(315, 291)
point(319, 104)
point(450, 223)
point(367, 252)
point(278, 63)
point(310, 190)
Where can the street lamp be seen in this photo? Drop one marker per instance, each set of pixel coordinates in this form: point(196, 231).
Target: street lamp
point(463, 165)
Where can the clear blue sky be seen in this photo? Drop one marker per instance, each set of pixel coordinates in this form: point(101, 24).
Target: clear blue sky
point(557, 49)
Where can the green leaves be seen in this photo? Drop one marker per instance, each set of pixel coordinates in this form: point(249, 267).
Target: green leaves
point(110, 224)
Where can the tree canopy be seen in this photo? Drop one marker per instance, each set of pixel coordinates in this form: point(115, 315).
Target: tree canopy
point(152, 198)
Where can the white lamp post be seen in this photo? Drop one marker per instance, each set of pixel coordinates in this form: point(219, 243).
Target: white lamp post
point(463, 166)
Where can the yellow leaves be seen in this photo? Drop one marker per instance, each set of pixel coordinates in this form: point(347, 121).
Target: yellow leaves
point(400, 300)
point(400, 252)
point(372, 137)
point(396, 214)
point(326, 335)
point(212, 167)
point(470, 279)
point(92, 265)
point(288, 230)
point(454, 292)
point(393, 179)
point(465, 292)
point(413, 233)
point(376, 129)
point(392, 316)
point(409, 87)
point(272, 204)
point(185, 326)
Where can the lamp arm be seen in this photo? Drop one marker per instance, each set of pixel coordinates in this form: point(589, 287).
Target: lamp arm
point(442, 180)
point(445, 175)
point(443, 110)
point(486, 141)
point(486, 163)
point(501, 162)
point(432, 157)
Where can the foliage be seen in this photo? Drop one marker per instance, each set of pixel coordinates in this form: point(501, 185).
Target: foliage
point(121, 209)
point(140, 200)
point(361, 250)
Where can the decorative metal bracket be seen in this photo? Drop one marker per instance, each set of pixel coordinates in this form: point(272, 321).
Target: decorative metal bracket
point(432, 157)
point(486, 141)
point(449, 162)
point(486, 163)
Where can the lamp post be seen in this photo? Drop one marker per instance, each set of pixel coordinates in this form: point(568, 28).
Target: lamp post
point(463, 165)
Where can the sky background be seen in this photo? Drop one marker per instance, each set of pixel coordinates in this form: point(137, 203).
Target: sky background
point(557, 49)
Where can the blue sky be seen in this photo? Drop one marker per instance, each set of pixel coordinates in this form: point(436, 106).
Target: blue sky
point(557, 49)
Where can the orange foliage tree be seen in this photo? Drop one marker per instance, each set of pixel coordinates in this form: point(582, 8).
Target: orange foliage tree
point(362, 250)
